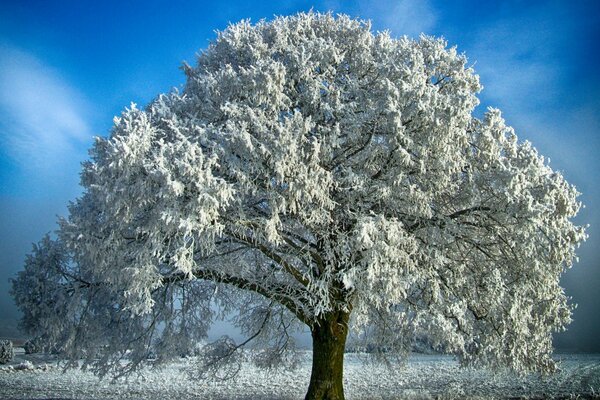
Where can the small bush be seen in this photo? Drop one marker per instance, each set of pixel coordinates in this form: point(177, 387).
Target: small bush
point(6, 351)
point(32, 346)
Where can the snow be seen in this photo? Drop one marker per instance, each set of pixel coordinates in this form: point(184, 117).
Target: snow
point(423, 376)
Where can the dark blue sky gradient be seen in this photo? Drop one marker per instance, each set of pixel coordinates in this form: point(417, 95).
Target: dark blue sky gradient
point(68, 67)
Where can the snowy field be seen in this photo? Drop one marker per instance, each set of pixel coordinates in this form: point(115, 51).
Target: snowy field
point(423, 377)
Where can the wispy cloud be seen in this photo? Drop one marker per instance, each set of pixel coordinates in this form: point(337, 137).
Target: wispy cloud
point(518, 60)
point(43, 118)
point(401, 17)
point(525, 61)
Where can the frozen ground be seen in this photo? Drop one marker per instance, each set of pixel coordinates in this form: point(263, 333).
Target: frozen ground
point(423, 377)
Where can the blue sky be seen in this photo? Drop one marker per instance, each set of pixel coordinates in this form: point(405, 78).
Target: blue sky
point(67, 67)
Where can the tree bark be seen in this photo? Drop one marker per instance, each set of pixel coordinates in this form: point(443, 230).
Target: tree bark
point(329, 341)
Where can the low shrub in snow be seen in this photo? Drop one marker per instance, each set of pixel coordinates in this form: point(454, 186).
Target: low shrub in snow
point(32, 346)
point(24, 366)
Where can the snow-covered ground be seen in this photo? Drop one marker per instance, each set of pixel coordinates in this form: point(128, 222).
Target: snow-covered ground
point(424, 376)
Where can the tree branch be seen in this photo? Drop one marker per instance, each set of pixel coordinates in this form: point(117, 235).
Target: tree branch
point(273, 293)
point(272, 255)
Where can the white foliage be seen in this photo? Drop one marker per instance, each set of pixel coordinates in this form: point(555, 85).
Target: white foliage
point(315, 166)
point(6, 351)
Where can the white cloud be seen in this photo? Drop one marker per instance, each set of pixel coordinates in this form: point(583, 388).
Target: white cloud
point(521, 61)
point(401, 17)
point(518, 61)
point(43, 118)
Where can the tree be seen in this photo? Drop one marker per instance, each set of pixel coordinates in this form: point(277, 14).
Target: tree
point(6, 351)
point(310, 173)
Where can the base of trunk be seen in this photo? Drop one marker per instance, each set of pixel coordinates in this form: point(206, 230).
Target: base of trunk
point(329, 341)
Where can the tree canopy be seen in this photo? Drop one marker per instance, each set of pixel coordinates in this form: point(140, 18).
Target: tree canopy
point(311, 172)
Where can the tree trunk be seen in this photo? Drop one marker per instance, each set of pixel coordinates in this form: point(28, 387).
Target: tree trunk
point(329, 341)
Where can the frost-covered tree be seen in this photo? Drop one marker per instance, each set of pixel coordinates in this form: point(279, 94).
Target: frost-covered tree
point(6, 351)
point(311, 173)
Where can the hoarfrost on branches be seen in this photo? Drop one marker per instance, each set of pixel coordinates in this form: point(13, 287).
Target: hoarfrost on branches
point(6, 351)
point(310, 172)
